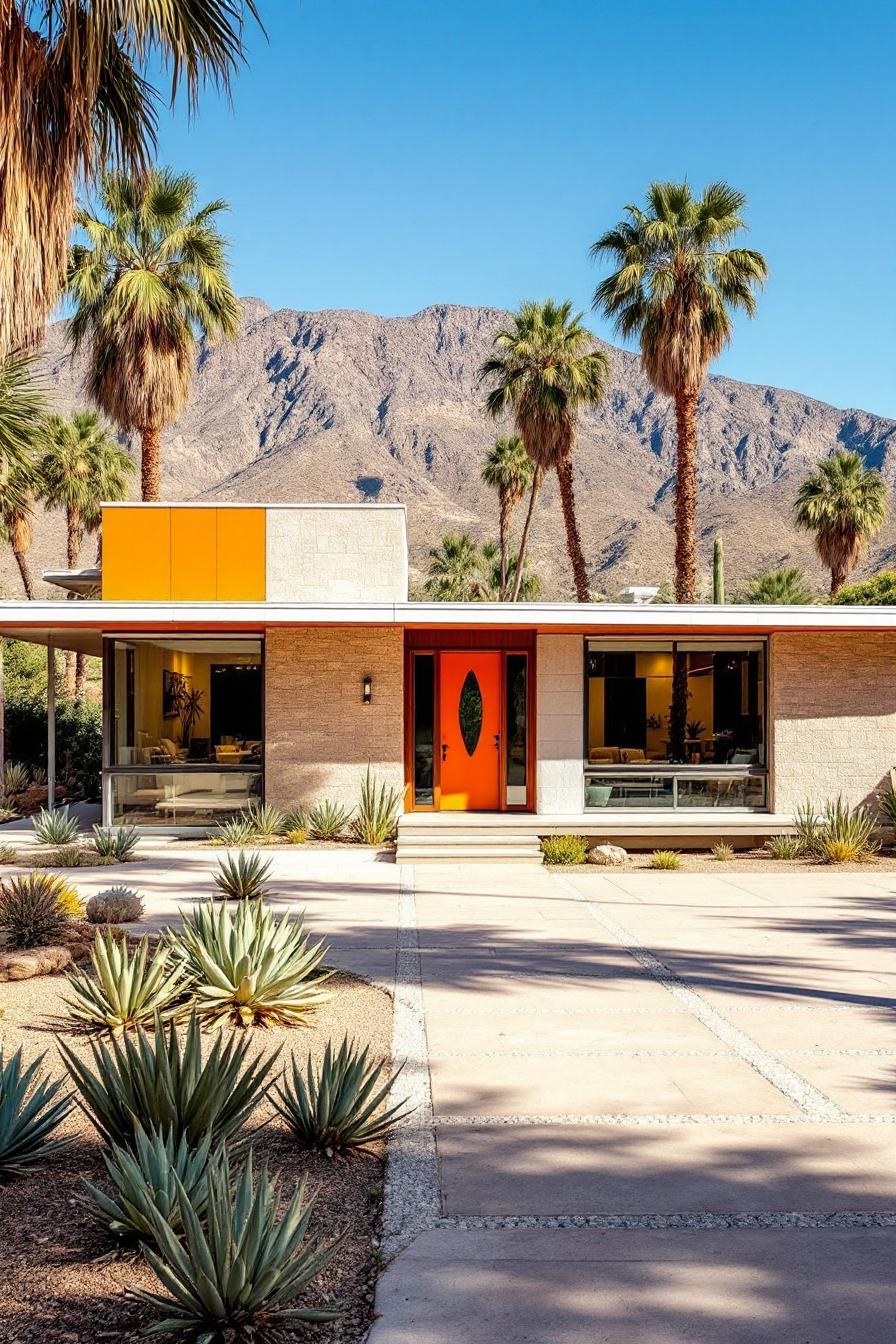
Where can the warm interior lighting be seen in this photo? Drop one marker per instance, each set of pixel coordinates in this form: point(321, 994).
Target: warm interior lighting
point(367, 690)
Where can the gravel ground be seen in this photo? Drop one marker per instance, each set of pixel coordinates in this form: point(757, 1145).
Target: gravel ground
point(745, 861)
point(61, 1277)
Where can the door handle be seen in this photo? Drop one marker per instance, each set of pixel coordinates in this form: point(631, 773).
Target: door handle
point(497, 741)
point(444, 751)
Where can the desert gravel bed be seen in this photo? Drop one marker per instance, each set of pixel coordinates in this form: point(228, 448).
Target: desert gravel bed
point(62, 1279)
point(745, 861)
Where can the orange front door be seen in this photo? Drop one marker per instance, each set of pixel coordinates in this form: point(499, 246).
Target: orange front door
point(470, 700)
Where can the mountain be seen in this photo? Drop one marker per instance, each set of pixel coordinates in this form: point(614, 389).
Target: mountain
point(344, 405)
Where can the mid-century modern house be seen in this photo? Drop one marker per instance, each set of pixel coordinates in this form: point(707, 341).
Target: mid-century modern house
point(271, 652)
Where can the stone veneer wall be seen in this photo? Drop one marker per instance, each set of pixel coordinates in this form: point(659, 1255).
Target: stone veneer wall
point(337, 553)
point(559, 778)
point(832, 713)
point(319, 736)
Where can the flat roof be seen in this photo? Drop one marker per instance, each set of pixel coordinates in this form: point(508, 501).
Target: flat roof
point(85, 621)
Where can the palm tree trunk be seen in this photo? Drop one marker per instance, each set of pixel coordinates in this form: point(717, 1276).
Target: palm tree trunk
point(839, 575)
point(537, 478)
point(573, 540)
point(686, 498)
point(503, 530)
point(27, 582)
point(151, 463)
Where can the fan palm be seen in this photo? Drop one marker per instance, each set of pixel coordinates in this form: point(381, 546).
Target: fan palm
point(79, 460)
point(507, 469)
point(844, 504)
point(455, 572)
point(676, 287)
point(546, 369)
point(22, 424)
point(74, 98)
point(530, 585)
point(780, 587)
point(150, 279)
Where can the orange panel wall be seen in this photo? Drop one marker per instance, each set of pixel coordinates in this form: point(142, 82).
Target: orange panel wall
point(137, 555)
point(194, 555)
point(241, 555)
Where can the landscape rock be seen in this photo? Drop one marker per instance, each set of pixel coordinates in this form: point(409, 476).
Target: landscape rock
point(23, 964)
point(607, 856)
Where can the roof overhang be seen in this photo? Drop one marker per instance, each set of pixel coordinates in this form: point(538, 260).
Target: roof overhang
point(74, 580)
point(77, 624)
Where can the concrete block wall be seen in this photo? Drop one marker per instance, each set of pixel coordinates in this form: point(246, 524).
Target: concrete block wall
point(832, 715)
point(559, 777)
point(319, 734)
point(337, 553)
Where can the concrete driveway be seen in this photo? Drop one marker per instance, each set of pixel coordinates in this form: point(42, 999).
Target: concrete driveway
point(651, 1108)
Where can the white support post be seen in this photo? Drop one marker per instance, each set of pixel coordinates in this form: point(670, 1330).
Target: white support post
point(51, 725)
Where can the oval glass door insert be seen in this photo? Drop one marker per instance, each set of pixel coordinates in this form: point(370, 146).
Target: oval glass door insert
point(469, 712)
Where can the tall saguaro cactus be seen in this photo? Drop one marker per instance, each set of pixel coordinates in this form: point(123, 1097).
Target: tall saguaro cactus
point(718, 572)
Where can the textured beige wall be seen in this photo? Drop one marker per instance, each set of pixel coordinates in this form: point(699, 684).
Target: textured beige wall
point(832, 714)
point(337, 553)
point(319, 735)
point(560, 690)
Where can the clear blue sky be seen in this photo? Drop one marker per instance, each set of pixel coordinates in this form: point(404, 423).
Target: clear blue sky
point(390, 154)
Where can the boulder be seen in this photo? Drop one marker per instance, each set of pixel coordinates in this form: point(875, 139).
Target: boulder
point(607, 856)
point(23, 964)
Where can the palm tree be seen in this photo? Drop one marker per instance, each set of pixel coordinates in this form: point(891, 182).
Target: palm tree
point(70, 469)
point(150, 279)
point(843, 504)
point(75, 96)
point(507, 469)
point(787, 586)
point(455, 571)
point(676, 288)
point(22, 424)
point(530, 584)
point(545, 371)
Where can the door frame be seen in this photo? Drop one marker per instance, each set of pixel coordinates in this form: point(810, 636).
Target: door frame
point(430, 642)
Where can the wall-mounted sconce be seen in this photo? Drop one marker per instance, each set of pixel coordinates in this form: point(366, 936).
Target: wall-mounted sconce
point(367, 690)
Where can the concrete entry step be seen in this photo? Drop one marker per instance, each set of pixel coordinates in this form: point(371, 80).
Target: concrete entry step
point(459, 842)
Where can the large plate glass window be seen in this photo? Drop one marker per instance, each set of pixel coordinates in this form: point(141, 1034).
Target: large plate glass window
point(516, 729)
point(424, 692)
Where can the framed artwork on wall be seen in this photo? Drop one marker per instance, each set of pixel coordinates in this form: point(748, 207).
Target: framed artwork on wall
point(173, 686)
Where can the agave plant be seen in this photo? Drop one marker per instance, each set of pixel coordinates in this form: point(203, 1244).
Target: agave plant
point(30, 1109)
point(263, 819)
point(126, 991)
point(377, 815)
point(241, 1277)
point(250, 968)
point(235, 833)
point(846, 833)
point(808, 827)
point(15, 778)
point(887, 804)
point(295, 819)
point(157, 1080)
point(341, 1106)
point(31, 914)
point(327, 820)
point(56, 827)
point(118, 843)
point(242, 876)
point(148, 1176)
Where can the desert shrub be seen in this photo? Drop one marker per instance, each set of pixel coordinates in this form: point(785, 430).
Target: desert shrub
point(250, 968)
point(295, 819)
point(78, 733)
point(241, 1272)
point(39, 776)
point(67, 898)
point(328, 820)
point(564, 849)
point(148, 1175)
point(115, 842)
point(30, 1109)
point(846, 833)
point(235, 833)
point(376, 817)
point(242, 876)
point(15, 778)
point(156, 1079)
point(8, 854)
point(295, 836)
point(116, 905)
point(55, 828)
point(808, 827)
point(66, 856)
point(722, 853)
point(339, 1106)
point(30, 910)
point(126, 990)
point(887, 804)
point(665, 859)
point(263, 819)
point(785, 847)
point(9, 810)
point(878, 591)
